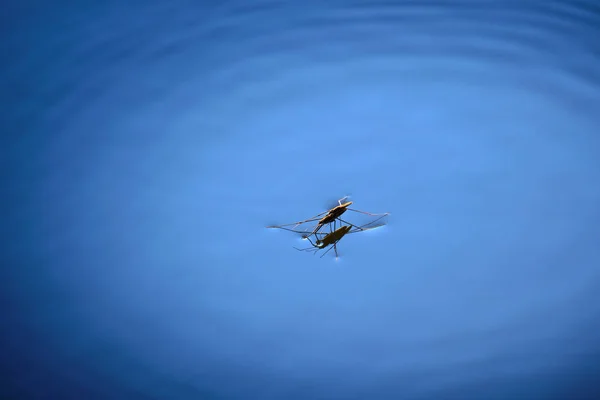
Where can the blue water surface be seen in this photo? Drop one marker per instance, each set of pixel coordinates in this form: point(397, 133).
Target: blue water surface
point(146, 145)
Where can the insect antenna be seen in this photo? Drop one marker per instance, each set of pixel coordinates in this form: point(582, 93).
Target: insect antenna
point(334, 203)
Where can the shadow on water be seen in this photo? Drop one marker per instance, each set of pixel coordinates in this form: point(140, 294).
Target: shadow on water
point(146, 145)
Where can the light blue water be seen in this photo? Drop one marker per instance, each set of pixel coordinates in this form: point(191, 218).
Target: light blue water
point(146, 145)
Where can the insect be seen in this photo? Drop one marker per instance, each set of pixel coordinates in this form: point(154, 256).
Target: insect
point(327, 217)
point(330, 217)
point(334, 236)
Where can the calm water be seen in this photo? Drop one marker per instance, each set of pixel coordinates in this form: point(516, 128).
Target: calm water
point(146, 145)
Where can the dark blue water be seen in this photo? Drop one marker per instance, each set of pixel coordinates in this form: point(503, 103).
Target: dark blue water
point(146, 145)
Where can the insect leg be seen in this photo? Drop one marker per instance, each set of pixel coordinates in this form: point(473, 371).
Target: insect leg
point(306, 249)
point(316, 230)
point(368, 213)
point(327, 251)
point(349, 223)
point(311, 242)
point(314, 248)
point(368, 226)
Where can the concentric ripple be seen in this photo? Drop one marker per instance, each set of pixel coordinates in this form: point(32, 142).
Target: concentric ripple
point(146, 146)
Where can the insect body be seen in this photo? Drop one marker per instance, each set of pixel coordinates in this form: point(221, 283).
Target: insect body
point(334, 213)
point(333, 237)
